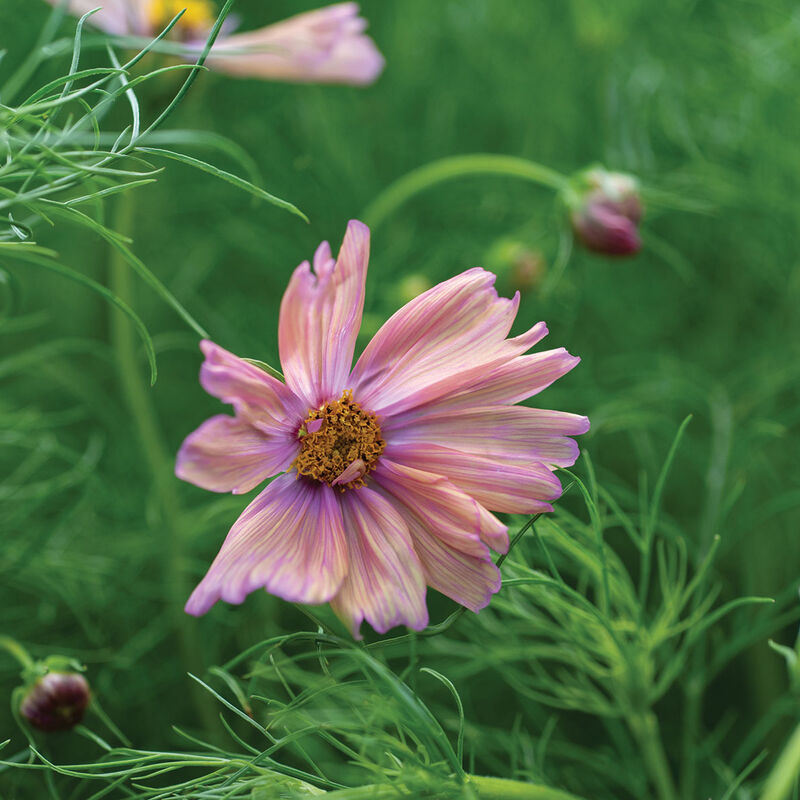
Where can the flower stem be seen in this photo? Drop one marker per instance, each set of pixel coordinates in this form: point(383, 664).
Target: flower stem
point(644, 727)
point(445, 169)
point(786, 771)
point(483, 789)
point(503, 789)
point(159, 461)
point(13, 647)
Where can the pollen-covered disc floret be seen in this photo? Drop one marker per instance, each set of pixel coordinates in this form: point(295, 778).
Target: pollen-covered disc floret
point(341, 444)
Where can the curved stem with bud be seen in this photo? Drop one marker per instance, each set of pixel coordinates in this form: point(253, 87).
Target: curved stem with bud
point(14, 648)
point(445, 169)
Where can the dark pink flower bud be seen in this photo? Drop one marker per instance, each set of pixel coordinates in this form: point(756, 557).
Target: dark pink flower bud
point(56, 701)
point(605, 210)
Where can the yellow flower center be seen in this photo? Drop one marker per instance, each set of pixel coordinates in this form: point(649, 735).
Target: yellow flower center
point(200, 14)
point(341, 444)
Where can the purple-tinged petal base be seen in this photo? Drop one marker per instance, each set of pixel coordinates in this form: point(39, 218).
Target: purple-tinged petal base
point(226, 454)
point(290, 541)
point(385, 584)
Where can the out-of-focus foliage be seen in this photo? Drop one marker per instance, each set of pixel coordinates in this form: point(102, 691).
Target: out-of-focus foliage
point(101, 546)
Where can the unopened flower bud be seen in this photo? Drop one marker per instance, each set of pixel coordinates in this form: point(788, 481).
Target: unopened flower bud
point(605, 210)
point(56, 701)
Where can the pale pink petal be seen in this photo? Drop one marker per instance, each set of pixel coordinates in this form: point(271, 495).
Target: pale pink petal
point(290, 541)
point(320, 317)
point(226, 454)
point(262, 399)
point(466, 579)
point(453, 516)
point(516, 380)
point(385, 584)
point(323, 46)
point(453, 561)
point(119, 17)
point(512, 489)
point(510, 382)
point(440, 343)
point(510, 434)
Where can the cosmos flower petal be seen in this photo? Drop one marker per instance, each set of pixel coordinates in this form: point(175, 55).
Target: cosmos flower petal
point(250, 390)
point(118, 17)
point(439, 343)
point(516, 380)
point(498, 486)
point(226, 454)
point(320, 317)
point(511, 434)
point(290, 541)
point(466, 579)
point(327, 45)
point(385, 584)
point(453, 516)
point(508, 383)
point(454, 563)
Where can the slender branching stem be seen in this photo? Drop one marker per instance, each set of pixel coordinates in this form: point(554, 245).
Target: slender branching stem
point(483, 788)
point(644, 726)
point(503, 789)
point(13, 647)
point(158, 459)
point(786, 772)
point(446, 169)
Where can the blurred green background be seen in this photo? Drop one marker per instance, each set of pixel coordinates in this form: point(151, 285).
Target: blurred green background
point(699, 99)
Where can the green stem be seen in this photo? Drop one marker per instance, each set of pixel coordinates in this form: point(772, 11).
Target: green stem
point(644, 727)
point(445, 169)
point(484, 789)
point(503, 789)
point(158, 459)
point(786, 771)
point(13, 647)
point(692, 720)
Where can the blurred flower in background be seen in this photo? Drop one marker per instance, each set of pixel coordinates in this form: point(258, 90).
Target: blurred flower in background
point(327, 45)
point(520, 266)
point(391, 468)
point(605, 210)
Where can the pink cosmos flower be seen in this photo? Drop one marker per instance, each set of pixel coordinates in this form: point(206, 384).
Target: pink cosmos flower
point(390, 468)
point(323, 46)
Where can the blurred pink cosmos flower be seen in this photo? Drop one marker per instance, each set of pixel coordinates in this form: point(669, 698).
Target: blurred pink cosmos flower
point(391, 468)
point(323, 46)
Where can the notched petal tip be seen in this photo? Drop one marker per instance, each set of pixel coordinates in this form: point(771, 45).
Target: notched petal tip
point(320, 316)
